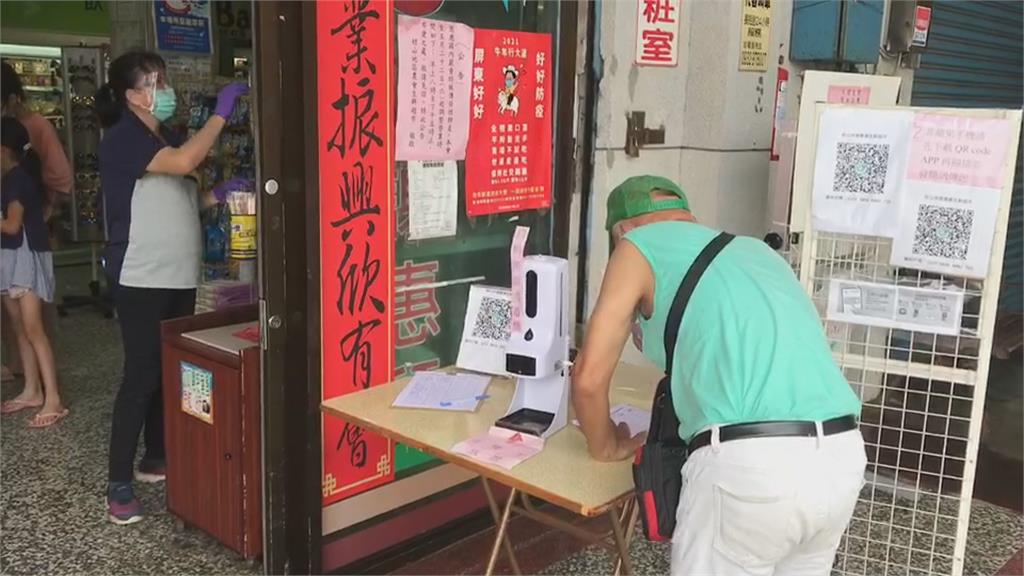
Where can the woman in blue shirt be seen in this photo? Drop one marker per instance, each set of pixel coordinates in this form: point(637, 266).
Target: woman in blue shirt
point(153, 252)
point(26, 273)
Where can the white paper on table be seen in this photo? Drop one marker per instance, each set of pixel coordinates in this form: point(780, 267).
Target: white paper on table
point(858, 171)
point(501, 447)
point(486, 330)
point(946, 228)
point(893, 306)
point(638, 419)
point(433, 199)
point(442, 391)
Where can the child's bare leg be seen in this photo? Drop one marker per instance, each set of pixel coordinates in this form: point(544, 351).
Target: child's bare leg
point(31, 308)
point(32, 393)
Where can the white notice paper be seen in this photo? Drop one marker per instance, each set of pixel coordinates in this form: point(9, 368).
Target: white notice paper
point(433, 199)
point(946, 229)
point(442, 391)
point(858, 171)
point(888, 306)
point(486, 330)
point(638, 419)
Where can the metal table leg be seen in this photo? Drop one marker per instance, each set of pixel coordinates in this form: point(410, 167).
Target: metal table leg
point(621, 543)
point(629, 513)
point(500, 539)
point(496, 514)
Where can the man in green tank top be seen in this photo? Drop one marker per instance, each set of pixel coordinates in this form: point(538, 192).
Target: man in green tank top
point(776, 460)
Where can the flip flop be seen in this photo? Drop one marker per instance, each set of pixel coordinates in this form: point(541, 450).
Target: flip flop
point(12, 406)
point(41, 420)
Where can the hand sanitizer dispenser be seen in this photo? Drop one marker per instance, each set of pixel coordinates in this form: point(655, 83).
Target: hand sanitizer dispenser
point(538, 353)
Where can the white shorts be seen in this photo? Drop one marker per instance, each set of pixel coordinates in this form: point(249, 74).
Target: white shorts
point(767, 506)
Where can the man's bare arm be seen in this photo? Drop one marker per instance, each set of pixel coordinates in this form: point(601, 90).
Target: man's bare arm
point(626, 279)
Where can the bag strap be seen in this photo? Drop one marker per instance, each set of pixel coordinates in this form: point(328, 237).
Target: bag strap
point(686, 288)
point(664, 423)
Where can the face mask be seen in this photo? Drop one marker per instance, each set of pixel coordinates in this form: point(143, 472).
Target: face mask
point(509, 82)
point(164, 104)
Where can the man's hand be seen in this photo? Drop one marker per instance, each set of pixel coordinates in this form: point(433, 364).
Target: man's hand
point(625, 443)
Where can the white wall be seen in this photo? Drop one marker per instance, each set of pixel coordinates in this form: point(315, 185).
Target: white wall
point(717, 120)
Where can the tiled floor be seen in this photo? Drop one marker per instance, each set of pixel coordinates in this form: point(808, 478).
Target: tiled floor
point(52, 519)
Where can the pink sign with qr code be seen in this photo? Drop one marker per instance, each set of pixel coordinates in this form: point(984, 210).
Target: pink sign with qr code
point(958, 150)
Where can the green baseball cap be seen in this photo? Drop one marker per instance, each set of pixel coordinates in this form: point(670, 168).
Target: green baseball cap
point(633, 198)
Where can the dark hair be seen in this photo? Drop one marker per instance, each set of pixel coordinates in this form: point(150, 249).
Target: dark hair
point(124, 74)
point(14, 137)
point(10, 84)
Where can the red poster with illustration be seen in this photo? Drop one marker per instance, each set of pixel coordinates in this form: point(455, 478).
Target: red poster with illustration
point(508, 160)
point(355, 120)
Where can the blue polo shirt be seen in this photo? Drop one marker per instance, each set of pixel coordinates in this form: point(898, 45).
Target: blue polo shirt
point(153, 227)
point(18, 185)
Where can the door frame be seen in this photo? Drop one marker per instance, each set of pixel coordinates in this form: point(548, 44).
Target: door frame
point(284, 48)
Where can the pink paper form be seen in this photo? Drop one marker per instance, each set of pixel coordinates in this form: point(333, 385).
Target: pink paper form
point(958, 150)
point(500, 447)
point(434, 69)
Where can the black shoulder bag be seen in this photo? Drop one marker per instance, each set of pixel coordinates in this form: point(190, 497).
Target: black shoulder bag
point(659, 462)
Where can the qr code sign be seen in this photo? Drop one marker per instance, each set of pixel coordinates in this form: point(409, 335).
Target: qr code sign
point(943, 232)
point(861, 168)
point(493, 321)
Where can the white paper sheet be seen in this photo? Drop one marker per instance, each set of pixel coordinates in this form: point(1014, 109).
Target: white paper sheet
point(859, 169)
point(486, 330)
point(946, 229)
point(442, 391)
point(433, 199)
point(889, 306)
point(638, 419)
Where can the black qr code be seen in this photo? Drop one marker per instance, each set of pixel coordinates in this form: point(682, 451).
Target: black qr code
point(494, 319)
point(861, 168)
point(943, 232)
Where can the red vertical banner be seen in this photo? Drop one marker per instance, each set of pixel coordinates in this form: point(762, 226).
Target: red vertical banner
point(508, 159)
point(356, 161)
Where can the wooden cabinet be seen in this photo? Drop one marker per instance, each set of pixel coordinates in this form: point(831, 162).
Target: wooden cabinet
point(211, 388)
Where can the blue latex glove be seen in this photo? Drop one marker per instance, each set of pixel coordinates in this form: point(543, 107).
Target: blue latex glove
point(220, 191)
point(227, 98)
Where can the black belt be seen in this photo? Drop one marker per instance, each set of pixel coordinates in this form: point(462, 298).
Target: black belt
point(774, 430)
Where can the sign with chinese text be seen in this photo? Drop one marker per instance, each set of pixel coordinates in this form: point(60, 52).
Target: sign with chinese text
point(657, 32)
point(755, 35)
point(508, 160)
point(959, 150)
point(434, 67)
point(354, 109)
point(922, 22)
point(848, 95)
point(183, 26)
point(197, 392)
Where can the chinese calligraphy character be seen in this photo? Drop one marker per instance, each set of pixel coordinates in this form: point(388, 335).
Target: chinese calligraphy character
point(656, 11)
point(355, 27)
point(416, 309)
point(657, 45)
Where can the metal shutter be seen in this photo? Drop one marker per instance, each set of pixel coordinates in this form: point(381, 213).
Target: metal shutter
point(975, 59)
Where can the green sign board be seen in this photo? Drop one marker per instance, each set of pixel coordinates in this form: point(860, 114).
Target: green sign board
point(58, 17)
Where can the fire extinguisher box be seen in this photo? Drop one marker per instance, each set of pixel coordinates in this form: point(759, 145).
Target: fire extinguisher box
point(211, 394)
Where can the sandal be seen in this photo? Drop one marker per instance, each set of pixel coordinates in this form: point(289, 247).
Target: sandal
point(41, 420)
point(12, 406)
